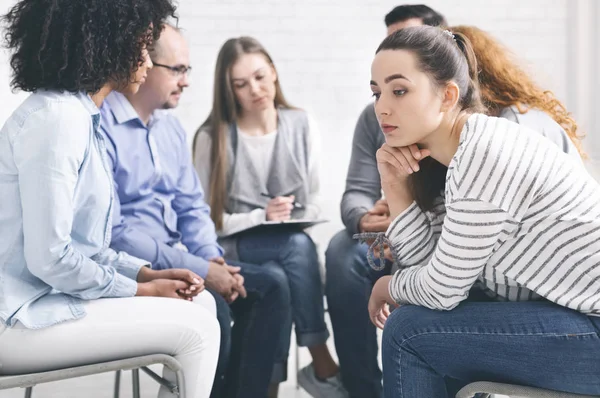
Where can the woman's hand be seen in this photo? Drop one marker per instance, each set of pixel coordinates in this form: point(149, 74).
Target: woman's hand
point(194, 284)
point(163, 288)
point(280, 208)
point(396, 164)
point(378, 303)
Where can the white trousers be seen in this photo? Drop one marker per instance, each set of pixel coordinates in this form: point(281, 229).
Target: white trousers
point(118, 328)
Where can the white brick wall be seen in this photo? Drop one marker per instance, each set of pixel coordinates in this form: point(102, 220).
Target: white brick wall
point(323, 50)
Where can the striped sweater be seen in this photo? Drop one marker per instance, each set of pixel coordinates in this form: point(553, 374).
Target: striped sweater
point(519, 218)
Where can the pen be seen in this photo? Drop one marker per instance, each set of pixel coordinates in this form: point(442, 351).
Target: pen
point(295, 204)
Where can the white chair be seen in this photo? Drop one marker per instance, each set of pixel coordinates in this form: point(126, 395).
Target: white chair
point(29, 380)
point(513, 391)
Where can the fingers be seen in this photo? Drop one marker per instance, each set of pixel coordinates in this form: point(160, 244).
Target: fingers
point(192, 292)
point(180, 285)
point(381, 319)
point(376, 320)
point(232, 297)
point(279, 216)
point(407, 157)
point(379, 224)
point(192, 278)
point(385, 251)
point(380, 316)
point(417, 153)
point(385, 155)
point(282, 200)
point(388, 254)
point(239, 286)
point(380, 208)
point(239, 280)
point(386, 310)
point(218, 260)
point(280, 208)
point(232, 269)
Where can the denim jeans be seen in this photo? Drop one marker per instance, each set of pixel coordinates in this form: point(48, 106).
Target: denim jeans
point(348, 287)
point(249, 349)
point(293, 256)
point(538, 344)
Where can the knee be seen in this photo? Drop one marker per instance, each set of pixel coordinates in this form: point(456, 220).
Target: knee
point(302, 247)
point(204, 327)
point(342, 250)
point(345, 259)
point(405, 322)
point(278, 283)
point(206, 300)
point(302, 240)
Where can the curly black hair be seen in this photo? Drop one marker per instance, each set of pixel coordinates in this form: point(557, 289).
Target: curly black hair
point(80, 45)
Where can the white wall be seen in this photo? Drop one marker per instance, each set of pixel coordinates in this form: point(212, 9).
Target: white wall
point(323, 50)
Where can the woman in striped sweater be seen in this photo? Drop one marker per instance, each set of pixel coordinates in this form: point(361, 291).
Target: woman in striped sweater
point(517, 219)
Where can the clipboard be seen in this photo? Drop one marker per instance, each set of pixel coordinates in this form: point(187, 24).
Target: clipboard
point(300, 224)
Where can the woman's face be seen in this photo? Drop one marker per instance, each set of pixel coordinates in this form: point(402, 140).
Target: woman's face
point(139, 76)
point(253, 81)
point(407, 104)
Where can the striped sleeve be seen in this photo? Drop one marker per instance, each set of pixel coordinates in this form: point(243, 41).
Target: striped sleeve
point(469, 234)
point(414, 233)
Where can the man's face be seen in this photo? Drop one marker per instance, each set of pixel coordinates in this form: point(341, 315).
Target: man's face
point(167, 79)
point(404, 24)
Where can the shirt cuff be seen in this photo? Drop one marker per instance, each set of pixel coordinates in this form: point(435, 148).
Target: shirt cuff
point(130, 266)
point(353, 224)
point(396, 294)
point(123, 286)
point(196, 264)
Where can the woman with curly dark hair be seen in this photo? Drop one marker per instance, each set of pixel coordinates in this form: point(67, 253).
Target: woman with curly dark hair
point(62, 289)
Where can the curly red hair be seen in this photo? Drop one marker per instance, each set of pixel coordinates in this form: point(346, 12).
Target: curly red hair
point(504, 83)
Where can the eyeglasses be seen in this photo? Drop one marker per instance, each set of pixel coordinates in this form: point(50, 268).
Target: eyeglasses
point(178, 71)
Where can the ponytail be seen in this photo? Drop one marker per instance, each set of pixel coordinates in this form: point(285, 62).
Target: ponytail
point(471, 100)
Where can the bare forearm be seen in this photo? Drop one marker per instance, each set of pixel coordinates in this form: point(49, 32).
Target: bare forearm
point(398, 196)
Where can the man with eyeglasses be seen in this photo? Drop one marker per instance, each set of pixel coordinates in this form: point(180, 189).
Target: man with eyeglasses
point(159, 214)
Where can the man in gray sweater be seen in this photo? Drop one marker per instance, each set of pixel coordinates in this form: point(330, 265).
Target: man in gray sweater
point(349, 280)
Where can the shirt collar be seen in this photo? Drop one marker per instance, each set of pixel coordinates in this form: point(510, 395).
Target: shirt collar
point(121, 108)
point(124, 112)
point(90, 106)
point(87, 103)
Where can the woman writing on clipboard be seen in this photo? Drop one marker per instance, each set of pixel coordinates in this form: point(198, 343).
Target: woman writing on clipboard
point(258, 160)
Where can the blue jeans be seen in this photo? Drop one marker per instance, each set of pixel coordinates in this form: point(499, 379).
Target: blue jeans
point(249, 349)
point(348, 287)
point(538, 344)
point(292, 255)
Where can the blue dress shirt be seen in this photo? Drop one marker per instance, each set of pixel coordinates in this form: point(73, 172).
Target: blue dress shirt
point(161, 200)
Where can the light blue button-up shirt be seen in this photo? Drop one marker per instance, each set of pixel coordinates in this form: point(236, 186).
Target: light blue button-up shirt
point(55, 213)
point(161, 198)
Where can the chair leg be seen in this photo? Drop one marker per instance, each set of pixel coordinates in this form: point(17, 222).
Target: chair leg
point(297, 365)
point(135, 378)
point(28, 392)
point(117, 383)
point(174, 388)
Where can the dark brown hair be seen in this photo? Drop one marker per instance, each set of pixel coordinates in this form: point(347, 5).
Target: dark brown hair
point(75, 45)
point(405, 12)
point(444, 57)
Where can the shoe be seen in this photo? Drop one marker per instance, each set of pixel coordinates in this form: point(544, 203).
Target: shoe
point(329, 388)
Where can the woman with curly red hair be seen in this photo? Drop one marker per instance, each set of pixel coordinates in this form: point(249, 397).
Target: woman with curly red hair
point(508, 91)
